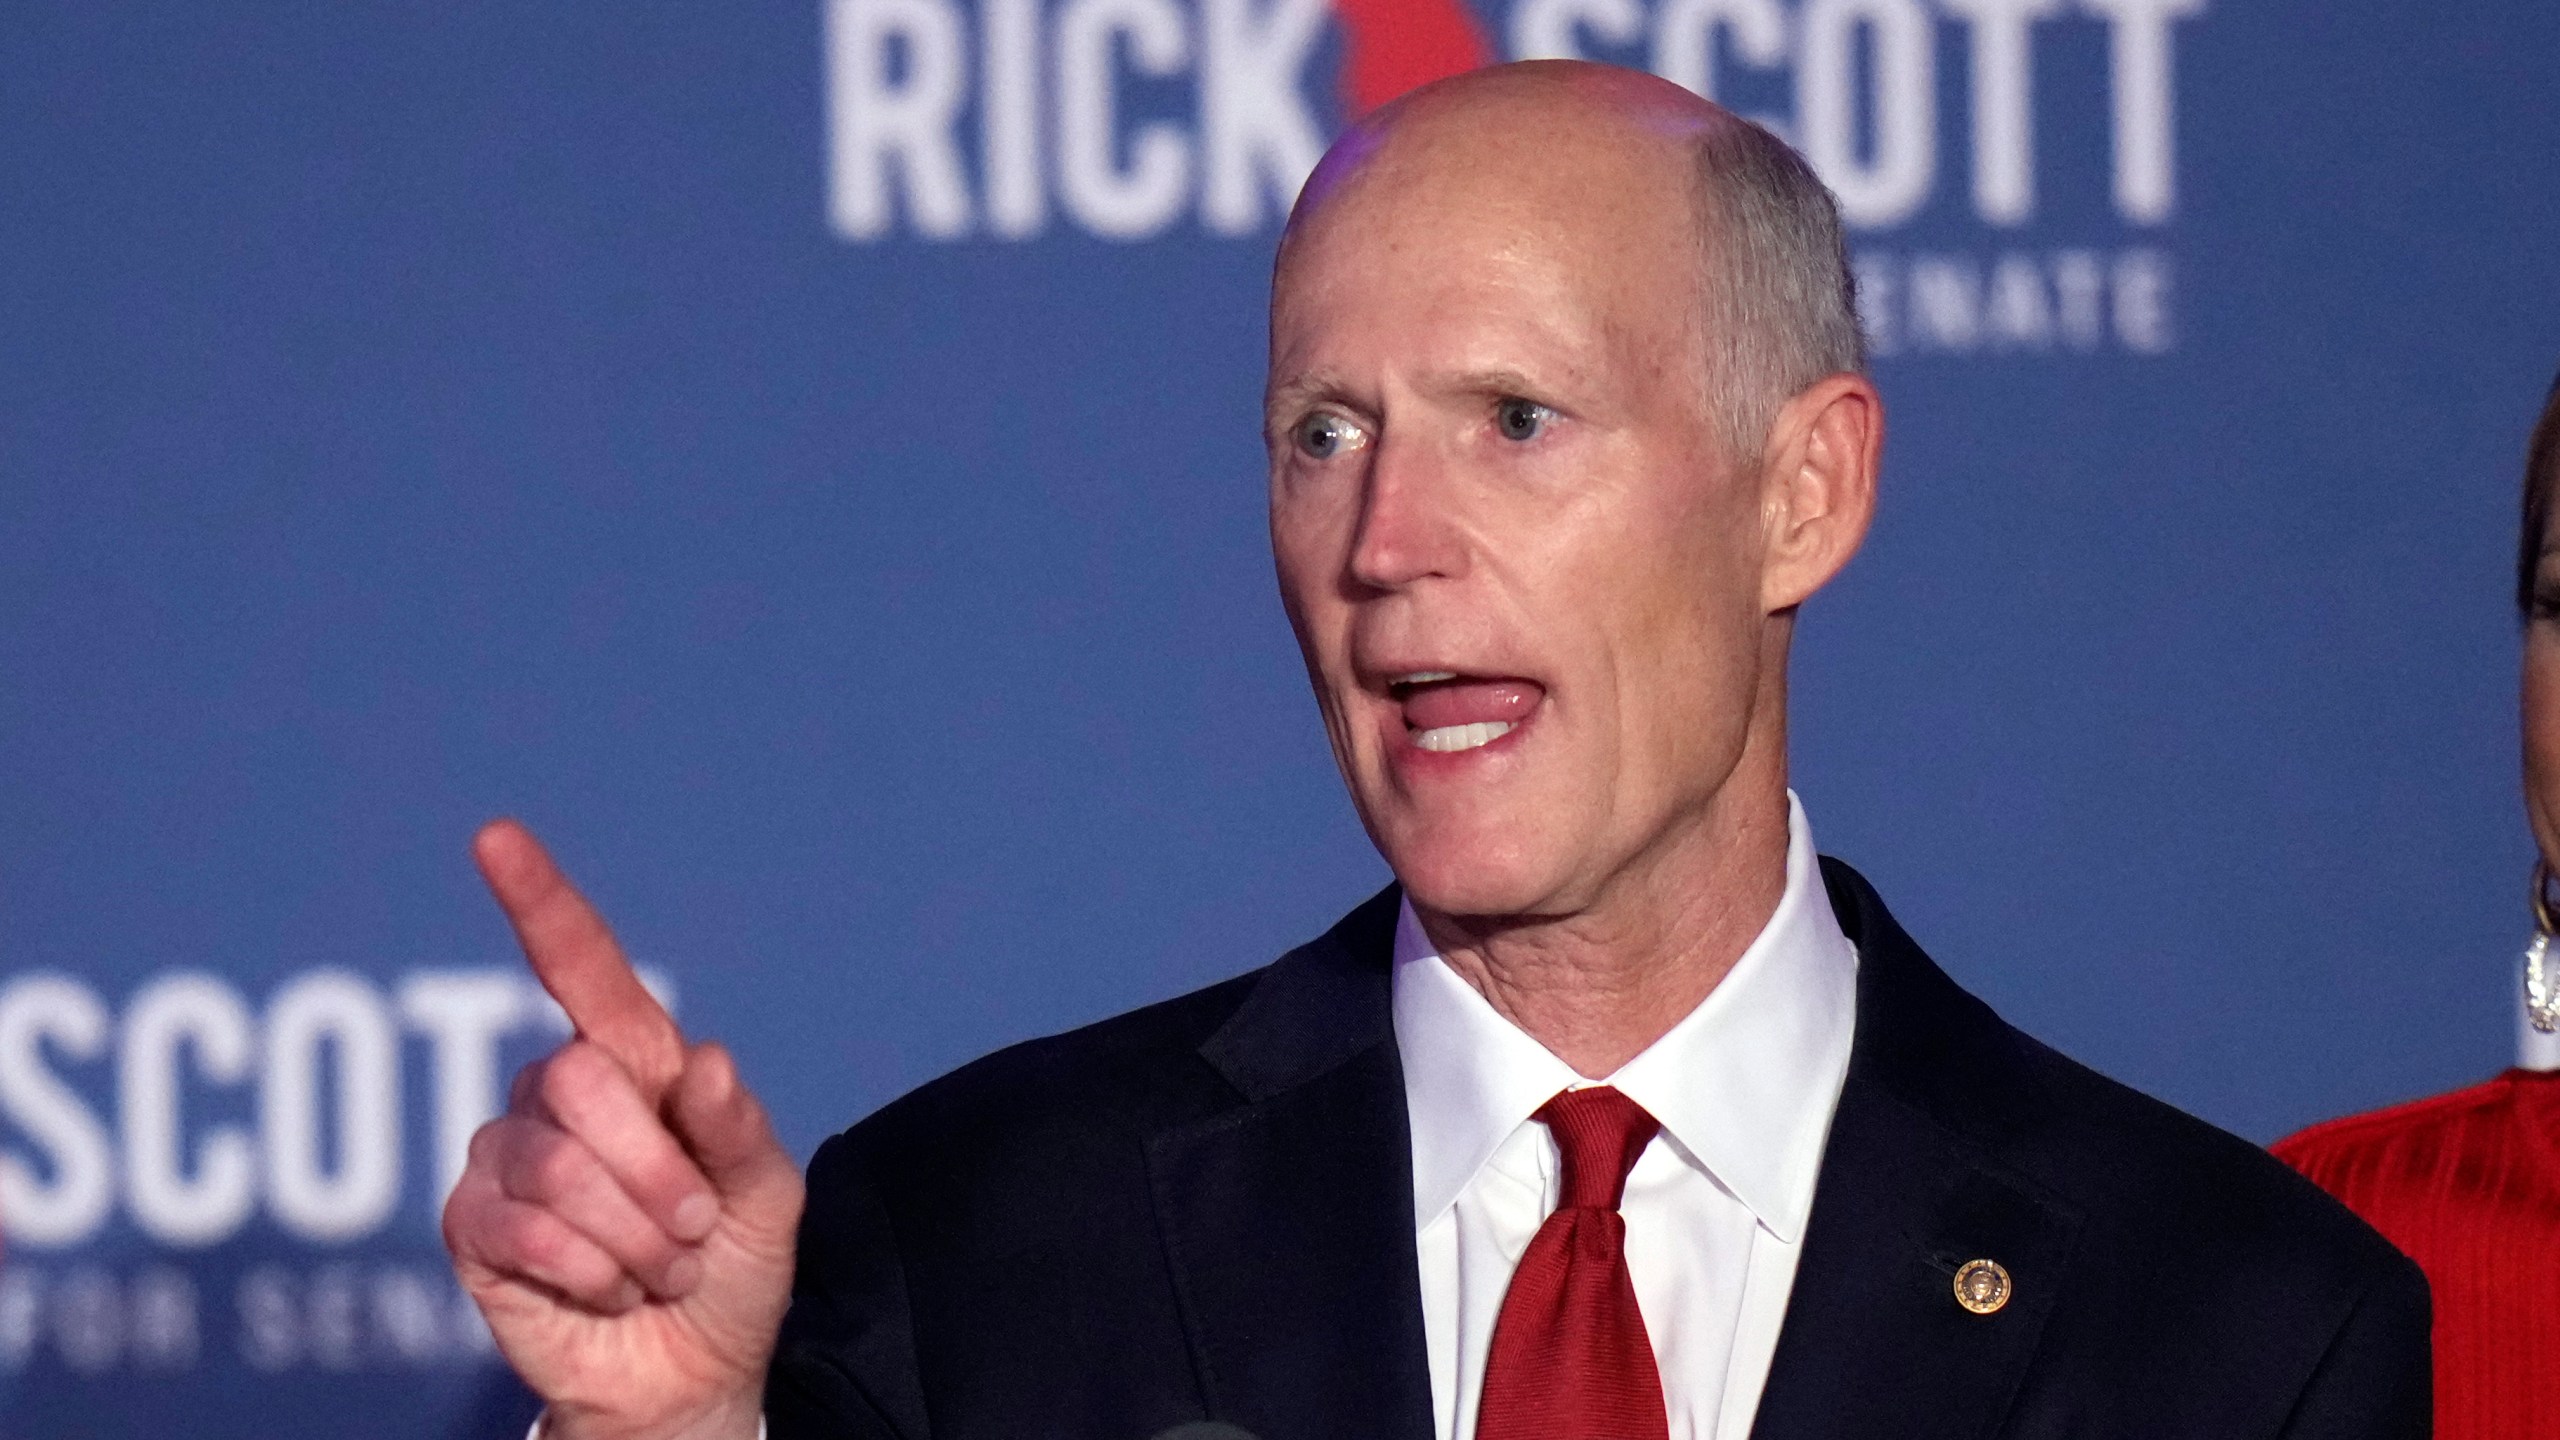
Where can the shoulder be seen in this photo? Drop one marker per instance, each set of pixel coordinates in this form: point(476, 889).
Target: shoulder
point(2152, 1187)
point(2383, 1137)
point(2210, 1255)
point(2412, 1170)
point(957, 1225)
point(1113, 1080)
point(1089, 1099)
point(2198, 1247)
point(2160, 1180)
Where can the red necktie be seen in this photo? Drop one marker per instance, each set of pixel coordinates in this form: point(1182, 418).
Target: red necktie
point(1570, 1358)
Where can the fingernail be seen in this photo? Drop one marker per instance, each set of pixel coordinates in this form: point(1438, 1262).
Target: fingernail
point(695, 1215)
point(683, 1273)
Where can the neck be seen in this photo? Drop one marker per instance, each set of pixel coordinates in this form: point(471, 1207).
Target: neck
point(1598, 986)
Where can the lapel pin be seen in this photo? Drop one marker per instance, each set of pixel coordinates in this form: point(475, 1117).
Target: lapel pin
point(1982, 1286)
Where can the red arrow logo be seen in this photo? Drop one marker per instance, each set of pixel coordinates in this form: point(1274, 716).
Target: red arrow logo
point(1396, 45)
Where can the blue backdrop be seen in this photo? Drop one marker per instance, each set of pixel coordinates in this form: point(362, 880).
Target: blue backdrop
point(802, 458)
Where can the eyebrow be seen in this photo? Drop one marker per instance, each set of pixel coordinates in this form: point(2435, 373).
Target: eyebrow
point(1302, 390)
point(1490, 382)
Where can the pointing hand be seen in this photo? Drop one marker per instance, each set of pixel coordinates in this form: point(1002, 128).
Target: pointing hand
point(627, 1226)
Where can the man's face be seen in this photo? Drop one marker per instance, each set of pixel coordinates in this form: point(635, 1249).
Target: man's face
point(1523, 570)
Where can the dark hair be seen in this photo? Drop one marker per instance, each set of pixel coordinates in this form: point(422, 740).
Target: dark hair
point(2541, 477)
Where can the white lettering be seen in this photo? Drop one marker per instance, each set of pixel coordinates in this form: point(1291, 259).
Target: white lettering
point(88, 1321)
point(2138, 69)
point(1255, 125)
point(1946, 303)
point(97, 1322)
point(464, 1013)
point(408, 1316)
point(1009, 117)
point(2079, 294)
point(331, 1334)
point(1048, 97)
point(270, 1326)
point(1131, 203)
point(206, 1015)
point(341, 1318)
point(2015, 312)
point(2031, 302)
point(875, 122)
point(21, 1306)
point(2142, 302)
point(1891, 180)
point(162, 1302)
point(345, 1013)
point(1684, 39)
point(2004, 167)
point(69, 1208)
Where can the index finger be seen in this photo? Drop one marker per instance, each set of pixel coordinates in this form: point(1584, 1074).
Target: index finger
point(576, 958)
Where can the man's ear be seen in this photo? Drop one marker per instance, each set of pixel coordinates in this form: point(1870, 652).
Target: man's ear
point(1818, 486)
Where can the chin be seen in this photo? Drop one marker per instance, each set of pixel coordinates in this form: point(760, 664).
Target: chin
point(1463, 871)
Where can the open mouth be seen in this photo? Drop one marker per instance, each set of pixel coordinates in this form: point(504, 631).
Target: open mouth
point(1446, 712)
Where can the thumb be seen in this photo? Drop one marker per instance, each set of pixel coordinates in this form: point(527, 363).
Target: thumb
point(720, 1120)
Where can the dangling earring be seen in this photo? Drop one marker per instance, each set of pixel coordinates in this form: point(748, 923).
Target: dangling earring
point(2541, 1006)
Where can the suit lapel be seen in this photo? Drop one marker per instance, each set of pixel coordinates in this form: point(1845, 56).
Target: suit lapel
point(1288, 1219)
point(1875, 1343)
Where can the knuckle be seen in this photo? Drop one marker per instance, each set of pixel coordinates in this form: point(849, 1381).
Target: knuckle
point(557, 1168)
point(660, 1170)
point(562, 1080)
point(647, 1249)
point(552, 1253)
point(526, 1241)
point(488, 1143)
point(580, 1077)
point(472, 1220)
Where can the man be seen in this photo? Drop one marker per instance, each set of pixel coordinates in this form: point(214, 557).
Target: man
point(1566, 417)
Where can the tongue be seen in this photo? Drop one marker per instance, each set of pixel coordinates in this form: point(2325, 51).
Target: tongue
point(1468, 702)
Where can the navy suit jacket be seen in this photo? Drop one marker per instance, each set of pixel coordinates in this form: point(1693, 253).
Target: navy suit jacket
point(1203, 1210)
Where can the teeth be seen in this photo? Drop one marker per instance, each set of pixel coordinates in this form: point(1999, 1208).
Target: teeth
point(1463, 737)
point(1424, 677)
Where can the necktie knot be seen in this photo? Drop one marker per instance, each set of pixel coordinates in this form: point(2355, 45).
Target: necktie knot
point(1599, 1132)
point(1570, 1358)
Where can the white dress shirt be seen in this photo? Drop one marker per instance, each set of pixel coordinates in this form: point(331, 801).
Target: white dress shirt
point(1715, 1208)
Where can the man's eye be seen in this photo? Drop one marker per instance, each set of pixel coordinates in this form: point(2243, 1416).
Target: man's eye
point(1322, 436)
point(1519, 419)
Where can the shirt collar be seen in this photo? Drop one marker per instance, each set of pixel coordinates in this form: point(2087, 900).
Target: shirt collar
point(1744, 1085)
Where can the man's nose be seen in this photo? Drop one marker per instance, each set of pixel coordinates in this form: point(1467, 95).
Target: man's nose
point(1408, 528)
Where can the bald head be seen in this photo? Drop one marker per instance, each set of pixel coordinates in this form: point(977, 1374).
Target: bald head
point(1732, 226)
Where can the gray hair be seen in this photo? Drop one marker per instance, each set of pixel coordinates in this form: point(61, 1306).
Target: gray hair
point(1781, 300)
